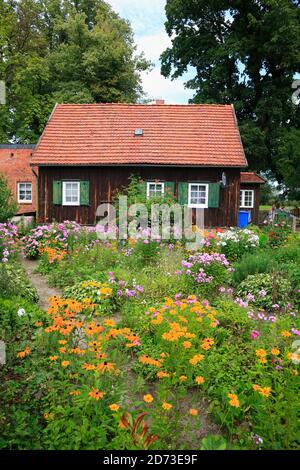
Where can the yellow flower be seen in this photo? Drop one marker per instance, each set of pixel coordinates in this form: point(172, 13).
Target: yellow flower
point(295, 372)
point(199, 380)
point(65, 363)
point(286, 334)
point(53, 358)
point(109, 322)
point(187, 344)
point(256, 388)
point(275, 351)
point(167, 406)
point(260, 353)
point(75, 392)
point(193, 412)
point(148, 398)
point(114, 407)
point(183, 378)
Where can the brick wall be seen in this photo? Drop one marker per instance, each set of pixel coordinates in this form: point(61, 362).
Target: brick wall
point(15, 166)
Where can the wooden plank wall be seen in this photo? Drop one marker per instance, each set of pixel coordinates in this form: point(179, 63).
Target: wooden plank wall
point(104, 181)
point(255, 210)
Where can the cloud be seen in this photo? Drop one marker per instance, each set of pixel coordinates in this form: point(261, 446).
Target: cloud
point(147, 18)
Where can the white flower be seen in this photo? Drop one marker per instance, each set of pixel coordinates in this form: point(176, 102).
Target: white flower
point(21, 312)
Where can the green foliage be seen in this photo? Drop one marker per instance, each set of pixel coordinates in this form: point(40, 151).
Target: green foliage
point(213, 442)
point(245, 53)
point(65, 52)
point(278, 289)
point(97, 293)
point(8, 206)
point(254, 263)
point(14, 282)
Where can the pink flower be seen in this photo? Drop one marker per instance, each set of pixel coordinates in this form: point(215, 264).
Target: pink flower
point(255, 334)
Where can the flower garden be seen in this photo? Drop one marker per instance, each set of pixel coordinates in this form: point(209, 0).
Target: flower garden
point(149, 345)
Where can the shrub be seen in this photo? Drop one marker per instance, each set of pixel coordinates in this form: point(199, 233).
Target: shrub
point(14, 281)
point(266, 290)
point(8, 206)
point(8, 240)
point(234, 243)
point(278, 234)
point(254, 263)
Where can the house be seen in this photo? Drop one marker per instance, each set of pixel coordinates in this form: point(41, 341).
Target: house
point(87, 152)
point(15, 166)
point(250, 194)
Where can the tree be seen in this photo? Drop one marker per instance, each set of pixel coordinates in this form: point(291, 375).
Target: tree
point(8, 206)
point(244, 52)
point(62, 51)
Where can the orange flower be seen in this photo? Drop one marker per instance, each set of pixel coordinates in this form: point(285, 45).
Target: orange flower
point(62, 341)
point(75, 392)
point(256, 388)
point(195, 359)
point(105, 367)
point(166, 406)
point(234, 401)
point(183, 378)
point(193, 412)
point(53, 358)
point(207, 343)
point(260, 353)
point(109, 322)
point(286, 334)
point(162, 375)
point(114, 407)
point(275, 351)
point(262, 360)
point(187, 344)
point(96, 394)
point(265, 392)
point(88, 366)
point(24, 353)
point(199, 380)
point(65, 363)
point(148, 360)
point(39, 323)
point(148, 398)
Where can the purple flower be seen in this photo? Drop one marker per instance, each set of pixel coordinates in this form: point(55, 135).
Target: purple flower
point(262, 293)
point(296, 332)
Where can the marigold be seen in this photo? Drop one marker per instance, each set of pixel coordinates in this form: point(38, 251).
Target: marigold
point(286, 334)
point(24, 353)
point(187, 344)
point(265, 391)
point(262, 360)
point(53, 358)
point(148, 398)
point(260, 353)
point(275, 351)
point(65, 363)
point(75, 392)
point(199, 380)
point(256, 388)
point(193, 412)
point(167, 406)
point(114, 407)
point(109, 322)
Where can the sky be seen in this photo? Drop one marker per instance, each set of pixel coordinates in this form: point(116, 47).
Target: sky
point(147, 19)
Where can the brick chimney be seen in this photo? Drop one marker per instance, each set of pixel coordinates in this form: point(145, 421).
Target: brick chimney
point(160, 101)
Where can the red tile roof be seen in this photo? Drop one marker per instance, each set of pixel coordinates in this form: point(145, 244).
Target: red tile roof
point(15, 166)
point(251, 177)
point(103, 134)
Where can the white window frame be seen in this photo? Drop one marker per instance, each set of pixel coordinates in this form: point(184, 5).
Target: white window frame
point(198, 206)
point(70, 203)
point(24, 201)
point(243, 193)
point(156, 183)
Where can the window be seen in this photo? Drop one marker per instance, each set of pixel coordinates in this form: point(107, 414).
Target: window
point(247, 198)
point(71, 193)
point(155, 189)
point(25, 193)
point(198, 195)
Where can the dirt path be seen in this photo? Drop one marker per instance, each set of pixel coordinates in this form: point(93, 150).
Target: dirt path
point(39, 282)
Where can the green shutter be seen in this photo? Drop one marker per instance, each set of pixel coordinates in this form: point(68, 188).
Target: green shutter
point(214, 195)
point(183, 193)
point(84, 193)
point(57, 193)
point(169, 189)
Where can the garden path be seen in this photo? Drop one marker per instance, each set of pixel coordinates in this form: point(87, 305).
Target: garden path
point(40, 283)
